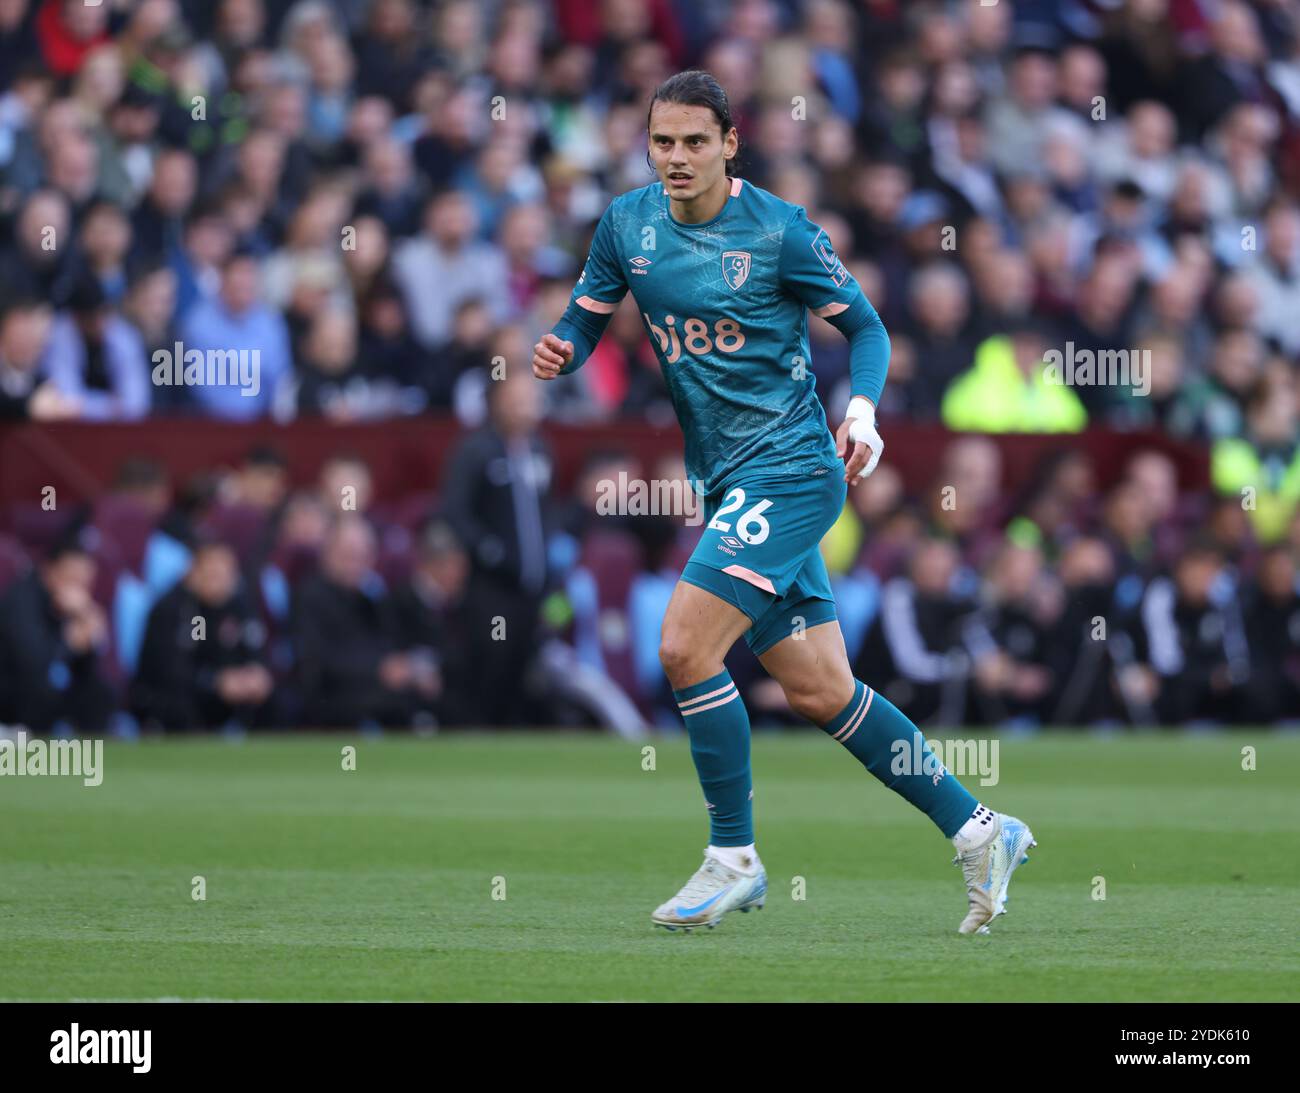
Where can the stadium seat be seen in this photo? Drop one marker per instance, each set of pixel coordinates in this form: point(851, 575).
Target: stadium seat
point(13, 561)
point(127, 525)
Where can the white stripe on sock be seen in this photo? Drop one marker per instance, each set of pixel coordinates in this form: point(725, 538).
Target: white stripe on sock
point(721, 702)
point(700, 698)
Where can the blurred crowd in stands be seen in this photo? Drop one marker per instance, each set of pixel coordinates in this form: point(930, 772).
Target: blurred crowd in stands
point(241, 599)
point(383, 197)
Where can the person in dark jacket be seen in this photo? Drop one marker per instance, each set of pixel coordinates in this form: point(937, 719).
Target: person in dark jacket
point(1190, 642)
point(202, 662)
point(1014, 679)
point(1081, 657)
point(432, 622)
point(497, 496)
point(52, 639)
point(351, 668)
point(917, 646)
point(1271, 606)
point(25, 393)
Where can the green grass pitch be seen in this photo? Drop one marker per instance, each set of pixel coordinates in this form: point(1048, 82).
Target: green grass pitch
point(379, 883)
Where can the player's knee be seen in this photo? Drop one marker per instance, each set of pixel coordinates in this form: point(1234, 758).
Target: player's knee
point(682, 661)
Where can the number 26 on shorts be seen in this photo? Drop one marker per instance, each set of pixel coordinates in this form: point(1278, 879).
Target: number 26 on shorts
point(752, 526)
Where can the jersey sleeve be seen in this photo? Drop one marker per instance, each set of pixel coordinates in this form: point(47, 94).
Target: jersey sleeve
point(602, 280)
point(811, 271)
point(601, 285)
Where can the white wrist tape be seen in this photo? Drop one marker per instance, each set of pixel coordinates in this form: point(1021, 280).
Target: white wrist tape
point(863, 430)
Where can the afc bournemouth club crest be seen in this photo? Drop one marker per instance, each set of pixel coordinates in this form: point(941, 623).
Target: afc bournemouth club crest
point(735, 267)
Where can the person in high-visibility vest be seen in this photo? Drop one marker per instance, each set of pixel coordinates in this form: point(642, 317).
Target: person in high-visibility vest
point(1009, 389)
point(1263, 467)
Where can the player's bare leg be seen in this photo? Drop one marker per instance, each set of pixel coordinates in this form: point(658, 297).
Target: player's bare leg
point(698, 629)
point(813, 670)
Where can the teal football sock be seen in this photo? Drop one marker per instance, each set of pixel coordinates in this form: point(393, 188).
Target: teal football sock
point(892, 748)
point(718, 724)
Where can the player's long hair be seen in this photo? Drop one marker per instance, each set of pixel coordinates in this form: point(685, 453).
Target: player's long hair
point(696, 88)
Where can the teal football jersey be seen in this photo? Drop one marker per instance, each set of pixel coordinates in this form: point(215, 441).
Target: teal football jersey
point(725, 304)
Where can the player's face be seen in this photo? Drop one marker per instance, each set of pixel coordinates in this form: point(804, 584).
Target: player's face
point(689, 149)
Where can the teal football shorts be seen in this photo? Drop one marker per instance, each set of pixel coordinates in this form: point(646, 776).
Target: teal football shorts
point(760, 551)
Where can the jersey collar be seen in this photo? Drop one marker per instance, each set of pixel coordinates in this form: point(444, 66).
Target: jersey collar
point(737, 184)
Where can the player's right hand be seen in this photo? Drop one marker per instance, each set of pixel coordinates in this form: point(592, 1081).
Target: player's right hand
point(550, 355)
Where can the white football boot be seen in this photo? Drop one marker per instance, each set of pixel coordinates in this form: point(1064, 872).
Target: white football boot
point(988, 870)
point(714, 890)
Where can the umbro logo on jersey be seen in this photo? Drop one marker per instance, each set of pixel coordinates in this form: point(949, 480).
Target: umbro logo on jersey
point(639, 264)
point(735, 267)
point(731, 542)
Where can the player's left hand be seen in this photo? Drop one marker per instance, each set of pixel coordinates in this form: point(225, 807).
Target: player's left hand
point(859, 430)
point(550, 355)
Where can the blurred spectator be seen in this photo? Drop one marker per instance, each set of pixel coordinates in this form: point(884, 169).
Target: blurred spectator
point(1008, 389)
point(128, 144)
point(1216, 404)
point(144, 482)
point(1010, 639)
point(96, 358)
point(345, 483)
point(1276, 277)
point(1271, 607)
point(445, 266)
point(157, 224)
point(148, 307)
point(1263, 467)
point(1230, 73)
point(1156, 479)
point(1019, 123)
point(35, 264)
point(387, 350)
point(299, 536)
point(916, 650)
point(1058, 501)
point(53, 637)
point(238, 322)
point(391, 51)
point(67, 31)
point(205, 248)
point(940, 304)
point(432, 617)
point(18, 41)
point(1190, 643)
point(1126, 526)
point(351, 668)
point(396, 194)
point(1077, 650)
point(365, 257)
point(25, 394)
point(262, 480)
point(201, 665)
point(333, 382)
point(312, 256)
point(962, 503)
point(496, 495)
point(105, 243)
